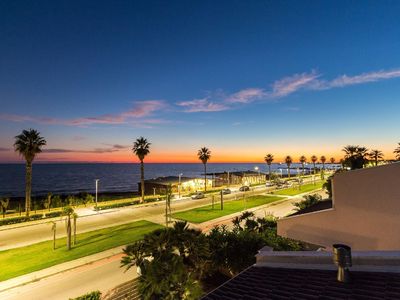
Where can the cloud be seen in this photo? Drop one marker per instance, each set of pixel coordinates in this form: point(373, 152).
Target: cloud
point(202, 105)
point(246, 95)
point(291, 108)
point(110, 149)
point(344, 80)
point(291, 84)
point(4, 149)
point(141, 110)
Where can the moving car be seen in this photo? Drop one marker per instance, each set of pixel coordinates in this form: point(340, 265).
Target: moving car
point(244, 188)
point(226, 191)
point(198, 195)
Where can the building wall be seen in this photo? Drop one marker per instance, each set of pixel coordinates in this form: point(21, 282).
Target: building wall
point(365, 213)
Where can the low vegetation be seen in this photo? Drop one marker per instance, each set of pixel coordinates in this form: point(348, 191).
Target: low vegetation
point(96, 295)
point(206, 213)
point(309, 200)
point(178, 262)
point(295, 190)
point(16, 220)
point(24, 260)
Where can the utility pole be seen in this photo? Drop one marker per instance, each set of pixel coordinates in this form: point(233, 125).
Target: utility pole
point(222, 201)
point(97, 187)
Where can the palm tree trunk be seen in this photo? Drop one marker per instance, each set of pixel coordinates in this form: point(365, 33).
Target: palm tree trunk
point(288, 171)
point(54, 237)
point(142, 180)
point(205, 177)
point(74, 230)
point(69, 233)
point(28, 187)
point(269, 172)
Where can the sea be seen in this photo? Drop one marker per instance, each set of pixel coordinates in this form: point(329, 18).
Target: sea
point(71, 178)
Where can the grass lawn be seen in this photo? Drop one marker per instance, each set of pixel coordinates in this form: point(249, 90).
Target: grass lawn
point(206, 213)
point(24, 260)
point(292, 191)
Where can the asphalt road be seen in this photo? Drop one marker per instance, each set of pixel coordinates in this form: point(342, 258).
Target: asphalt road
point(102, 275)
point(155, 212)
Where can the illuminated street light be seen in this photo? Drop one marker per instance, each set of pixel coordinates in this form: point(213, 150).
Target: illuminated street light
point(179, 186)
point(97, 187)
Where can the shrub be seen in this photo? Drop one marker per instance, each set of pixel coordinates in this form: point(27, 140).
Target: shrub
point(53, 214)
point(117, 205)
point(96, 295)
point(17, 220)
point(309, 200)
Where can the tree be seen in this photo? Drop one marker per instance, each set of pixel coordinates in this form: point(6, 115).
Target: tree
point(47, 201)
point(75, 216)
point(87, 199)
point(397, 152)
point(355, 157)
point(314, 160)
point(28, 144)
point(141, 148)
point(323, 160)
point(171, 262)
point(309, 200)
point(376, 155)
point(269, 158)
point(332, 160)
point(204, 155)
point(302, 160)
point(68, 212)
point(4, 202)
point(288, 161)
point(54, 230)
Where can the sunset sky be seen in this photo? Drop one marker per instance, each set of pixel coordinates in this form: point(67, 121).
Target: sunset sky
point(244, 78)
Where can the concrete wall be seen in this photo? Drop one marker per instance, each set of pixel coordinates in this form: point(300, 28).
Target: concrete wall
point(365, 213)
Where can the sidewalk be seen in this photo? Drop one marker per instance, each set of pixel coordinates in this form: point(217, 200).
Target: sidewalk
point(38, 275)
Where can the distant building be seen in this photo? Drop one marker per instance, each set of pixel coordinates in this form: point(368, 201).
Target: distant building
point(364, 213)
point(238, 178)
point(160, 184)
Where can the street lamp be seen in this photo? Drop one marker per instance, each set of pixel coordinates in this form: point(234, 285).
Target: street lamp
point(257, 170)
point(179, 185)
point(97, 188)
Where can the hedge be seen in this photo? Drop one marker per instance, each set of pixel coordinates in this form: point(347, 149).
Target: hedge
point(96, 295)
point(17, 220)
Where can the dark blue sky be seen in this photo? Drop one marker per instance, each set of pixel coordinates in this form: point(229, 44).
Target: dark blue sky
point(291, 77)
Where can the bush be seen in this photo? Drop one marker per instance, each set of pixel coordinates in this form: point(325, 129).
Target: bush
point(96, 295)
point(309, 200)
point(17, 220)
point(117, 205)
point(53, 214)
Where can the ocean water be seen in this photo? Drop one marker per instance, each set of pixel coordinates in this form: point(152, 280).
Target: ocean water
point(74, 178)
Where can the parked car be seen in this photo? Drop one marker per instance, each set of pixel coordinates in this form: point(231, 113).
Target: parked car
point(226, 191)
point(244, 188)
point(269, 184)
point(198, 195)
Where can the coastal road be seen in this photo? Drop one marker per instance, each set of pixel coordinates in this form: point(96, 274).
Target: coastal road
point(105, 274)
point(155, 212)
point(11, 237)
point(101, 275)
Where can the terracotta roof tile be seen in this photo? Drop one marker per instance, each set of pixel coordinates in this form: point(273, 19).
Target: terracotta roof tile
point(277, 283)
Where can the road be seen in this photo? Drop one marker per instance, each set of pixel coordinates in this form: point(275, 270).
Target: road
point(102, 275)
point(89, 277)
point(155, 212)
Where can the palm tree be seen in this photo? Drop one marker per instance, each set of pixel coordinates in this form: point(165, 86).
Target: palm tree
point(397, 152)
point(204, 155)
point(68, 212)
point(269, 158)
point(302, 160)
point(314, 160)
point(141, 147)
point(323, 160)
point(4, 202)
point(376, 155)
point(28, 144)
point(332, 160)
point(54, 230)
point(288, 161)
point(355, 156)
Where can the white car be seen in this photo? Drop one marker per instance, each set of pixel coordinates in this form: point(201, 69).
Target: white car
point(198, 195)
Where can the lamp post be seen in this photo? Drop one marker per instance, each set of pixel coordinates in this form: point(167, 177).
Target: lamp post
point(179, 186)
point(97, 188)
point(257, 170)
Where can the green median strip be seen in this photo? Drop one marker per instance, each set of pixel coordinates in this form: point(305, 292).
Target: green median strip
point(305, 188)
point(206, 213)
point(24, 260)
